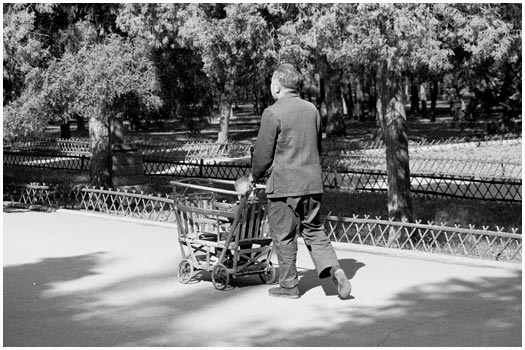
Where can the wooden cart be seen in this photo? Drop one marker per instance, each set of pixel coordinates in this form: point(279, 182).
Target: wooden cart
point(222, 231)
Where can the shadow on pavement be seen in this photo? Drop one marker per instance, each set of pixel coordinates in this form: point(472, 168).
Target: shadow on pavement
point(456, 313)
point(484, 312)
point(309, 279)
point(28, 311)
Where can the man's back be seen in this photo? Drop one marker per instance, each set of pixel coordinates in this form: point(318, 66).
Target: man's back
point(295, 126)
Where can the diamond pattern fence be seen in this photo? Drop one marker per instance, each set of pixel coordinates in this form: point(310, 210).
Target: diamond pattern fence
point(481, 243)
point(455, 178)
point(201, 169)
point(469, 242)
point(337, 146)
point(48, 160)
point(428, 185)
point(421, 165)
point(192, 151)
point(63, 146)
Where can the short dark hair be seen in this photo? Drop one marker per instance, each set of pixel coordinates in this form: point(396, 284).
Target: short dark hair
point(289, 77)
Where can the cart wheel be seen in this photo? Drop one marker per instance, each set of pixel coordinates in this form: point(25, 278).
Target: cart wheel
point(269, 275)
point(220, 277)
point(185, 271)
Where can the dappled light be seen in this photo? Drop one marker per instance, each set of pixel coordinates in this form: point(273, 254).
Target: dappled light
point(77, 288)
point(406, 118)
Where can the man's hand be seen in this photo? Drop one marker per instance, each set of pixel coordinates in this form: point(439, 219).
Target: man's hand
point(251, 180)
point(244, 185)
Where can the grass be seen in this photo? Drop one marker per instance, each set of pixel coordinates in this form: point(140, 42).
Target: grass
point(243, 127)
point(447, 211)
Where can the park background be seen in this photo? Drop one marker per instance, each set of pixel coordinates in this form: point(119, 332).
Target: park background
point(438, 82)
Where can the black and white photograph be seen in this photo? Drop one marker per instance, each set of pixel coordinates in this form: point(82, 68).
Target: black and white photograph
point(273, 175)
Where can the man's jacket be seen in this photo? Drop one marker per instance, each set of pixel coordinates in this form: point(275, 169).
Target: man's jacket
point(288, 146)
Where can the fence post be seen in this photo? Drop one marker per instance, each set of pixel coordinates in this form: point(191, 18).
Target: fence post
point(201, 167)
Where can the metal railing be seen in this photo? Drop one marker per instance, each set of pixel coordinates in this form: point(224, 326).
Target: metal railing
point(503, 168)
point(428, 185)
point(470, 242)
point(430, 177)
point(498, 245)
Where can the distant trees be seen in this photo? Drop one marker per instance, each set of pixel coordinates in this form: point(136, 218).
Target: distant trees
point(176, 57)
point(235, 46)
point(93, 83)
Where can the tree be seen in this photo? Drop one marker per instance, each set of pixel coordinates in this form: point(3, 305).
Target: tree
point(483, 39)
point(392, 40)
point(23, 48)
point(232, 40)
point(306, 40)
point(156, 27)
point(93, 83)
point(396, 40)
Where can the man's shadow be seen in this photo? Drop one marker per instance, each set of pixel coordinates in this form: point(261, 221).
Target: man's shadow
point(309, 279)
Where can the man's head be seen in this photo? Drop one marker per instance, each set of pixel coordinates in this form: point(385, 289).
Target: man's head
point(285, 79)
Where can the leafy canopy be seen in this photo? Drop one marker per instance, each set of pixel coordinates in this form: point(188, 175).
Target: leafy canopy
point(92, 82)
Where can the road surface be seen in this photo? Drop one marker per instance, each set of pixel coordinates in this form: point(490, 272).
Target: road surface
point(80, 280)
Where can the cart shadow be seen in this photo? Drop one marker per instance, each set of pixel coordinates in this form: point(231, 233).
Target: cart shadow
point(203, 276)
point(309, 279)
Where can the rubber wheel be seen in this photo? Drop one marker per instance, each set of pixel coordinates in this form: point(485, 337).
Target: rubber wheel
point(220, 277)
point(185, 271)
point(269, 275)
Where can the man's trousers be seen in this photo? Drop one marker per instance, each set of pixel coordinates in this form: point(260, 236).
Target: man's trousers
point(289, 217)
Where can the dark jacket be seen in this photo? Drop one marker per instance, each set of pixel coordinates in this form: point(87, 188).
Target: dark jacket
point(288, 146)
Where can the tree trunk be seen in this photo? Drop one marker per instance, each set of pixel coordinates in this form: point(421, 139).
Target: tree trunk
point(359, 101)
point(65, 130)
point(321, 101)
point(433, 99)
point(100, 164)
point(116, 129)
point(80, 123)
point(423, 99)
point(414, 97)
point(392, 116)
point(225, 108)
point(348, 100)
point(371, 99)
point(334, 108)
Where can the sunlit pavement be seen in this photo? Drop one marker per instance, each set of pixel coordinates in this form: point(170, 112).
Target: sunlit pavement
point(77, 280)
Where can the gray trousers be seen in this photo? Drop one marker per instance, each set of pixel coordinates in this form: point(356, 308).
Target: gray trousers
point(289, 217)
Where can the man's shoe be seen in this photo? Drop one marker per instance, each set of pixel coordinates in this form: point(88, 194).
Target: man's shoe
point(292, 293)
point(342, 283)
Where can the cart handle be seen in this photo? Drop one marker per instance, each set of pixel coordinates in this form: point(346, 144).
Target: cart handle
point(213, 189)
point(232, 182)
point(205, 188)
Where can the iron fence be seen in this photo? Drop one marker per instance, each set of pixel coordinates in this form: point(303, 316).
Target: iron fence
point(430, 177)
point(428, 185)
point(200, 169)
point(421, 165)
point(49, 146)
point(377, 147)
point(470, 242)
point(441, 239)
point(192, 150)
point(49, 159)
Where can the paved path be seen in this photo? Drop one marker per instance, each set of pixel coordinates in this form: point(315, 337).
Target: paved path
point(75, 280)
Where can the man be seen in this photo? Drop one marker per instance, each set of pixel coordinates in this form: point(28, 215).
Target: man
point(288, 146)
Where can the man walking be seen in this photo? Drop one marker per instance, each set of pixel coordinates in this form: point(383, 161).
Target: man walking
point(288, 146)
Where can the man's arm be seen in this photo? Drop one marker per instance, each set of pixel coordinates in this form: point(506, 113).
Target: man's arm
point(265, 145)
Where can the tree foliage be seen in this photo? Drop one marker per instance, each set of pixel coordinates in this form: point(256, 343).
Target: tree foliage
point(232, 40)
point(94, 60)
